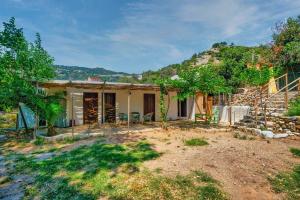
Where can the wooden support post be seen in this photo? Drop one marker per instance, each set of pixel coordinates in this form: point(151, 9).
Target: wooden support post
point(265, 114)
point(128, 109)
point(72, 111)
point(36, 124)
point(230, 114)
point(286, 99)
point(256, 109)
point(298, 87)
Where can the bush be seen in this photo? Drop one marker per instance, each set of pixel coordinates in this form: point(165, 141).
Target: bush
point(295, 151)
point(294, 108)
point(39, 141)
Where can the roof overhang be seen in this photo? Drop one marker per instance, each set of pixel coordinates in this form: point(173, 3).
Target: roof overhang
point(100, 85)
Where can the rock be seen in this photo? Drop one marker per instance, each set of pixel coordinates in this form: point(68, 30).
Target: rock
point(283, 135)
point(288, 132)
point(270, 124)
point(267, 134)
point(257, 131)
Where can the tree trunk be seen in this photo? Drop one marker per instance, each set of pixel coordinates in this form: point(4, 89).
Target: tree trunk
point(192, 107)
point(51, 130)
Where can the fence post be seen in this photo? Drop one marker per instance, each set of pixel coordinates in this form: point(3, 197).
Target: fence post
point(256, 108)
point(286, 99)
point(265, 114)
point(298, 87)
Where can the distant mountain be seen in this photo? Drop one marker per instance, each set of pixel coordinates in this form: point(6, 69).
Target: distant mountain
point(82, 73)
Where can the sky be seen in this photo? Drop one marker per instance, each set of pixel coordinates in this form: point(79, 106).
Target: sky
point(138, 35)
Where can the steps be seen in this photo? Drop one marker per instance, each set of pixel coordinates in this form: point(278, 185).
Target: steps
point(274, 111)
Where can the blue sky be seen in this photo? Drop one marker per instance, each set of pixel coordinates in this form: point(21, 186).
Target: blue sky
point(138, 35)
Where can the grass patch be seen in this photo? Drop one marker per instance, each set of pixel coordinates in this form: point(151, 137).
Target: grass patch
point(295, 152)
point(287, 182)
point(145, 185)
point(83, 173)
point(204, 177)
point(196, 142)
point(69, 140)
point(110, 171)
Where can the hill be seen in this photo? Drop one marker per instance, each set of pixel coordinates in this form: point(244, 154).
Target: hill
point(228, 57)
point(82, 73)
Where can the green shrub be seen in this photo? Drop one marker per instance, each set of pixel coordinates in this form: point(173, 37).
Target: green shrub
point(294, 108)
point(39, 141)
point(196, 142)
point(295, 151)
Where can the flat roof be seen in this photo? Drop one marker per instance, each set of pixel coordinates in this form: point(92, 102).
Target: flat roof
point(99, 85)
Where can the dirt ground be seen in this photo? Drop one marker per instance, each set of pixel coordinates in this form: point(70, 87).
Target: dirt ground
point(242, 166)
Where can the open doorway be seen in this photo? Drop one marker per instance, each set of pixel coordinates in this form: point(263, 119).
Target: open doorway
point(149, 105)
point(182, 108)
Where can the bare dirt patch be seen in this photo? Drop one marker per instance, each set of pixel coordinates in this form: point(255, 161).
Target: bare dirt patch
point(242, 166)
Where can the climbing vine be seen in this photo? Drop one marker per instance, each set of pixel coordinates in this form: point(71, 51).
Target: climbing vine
point(163, 85)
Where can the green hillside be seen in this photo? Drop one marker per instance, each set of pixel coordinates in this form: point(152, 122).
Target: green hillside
point(229, 58)
point(82, 73)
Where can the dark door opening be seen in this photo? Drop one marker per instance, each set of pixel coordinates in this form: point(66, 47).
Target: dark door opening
point(149, 105)
point(110, 107)
point(90, 108)
point(182, 108)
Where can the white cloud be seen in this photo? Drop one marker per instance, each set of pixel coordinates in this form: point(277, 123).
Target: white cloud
point(229, 16)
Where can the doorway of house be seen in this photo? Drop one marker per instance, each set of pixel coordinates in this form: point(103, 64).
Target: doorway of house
point(90, 108)
point(149, 105)
point(182, 108)
point(110, 107)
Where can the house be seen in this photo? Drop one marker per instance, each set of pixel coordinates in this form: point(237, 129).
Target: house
point(99, 102)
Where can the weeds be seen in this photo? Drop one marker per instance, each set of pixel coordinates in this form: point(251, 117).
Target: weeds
point(242, 137)
point(287, 182)
point(196, 142)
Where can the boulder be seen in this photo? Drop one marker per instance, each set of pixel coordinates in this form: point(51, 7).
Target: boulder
point(283, 135)
point(267, 134)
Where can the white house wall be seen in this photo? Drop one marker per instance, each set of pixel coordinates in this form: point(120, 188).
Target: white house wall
point(136, 103)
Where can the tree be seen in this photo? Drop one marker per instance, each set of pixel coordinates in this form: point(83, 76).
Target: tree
point(21, 64)
point(219, 44)
point(286, 44)
point(257, 77)
point(204, 79)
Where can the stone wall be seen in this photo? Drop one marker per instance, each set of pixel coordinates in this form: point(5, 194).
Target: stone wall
point(284, 124)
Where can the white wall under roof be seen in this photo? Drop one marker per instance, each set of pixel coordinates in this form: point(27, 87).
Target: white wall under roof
point(136, 103)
